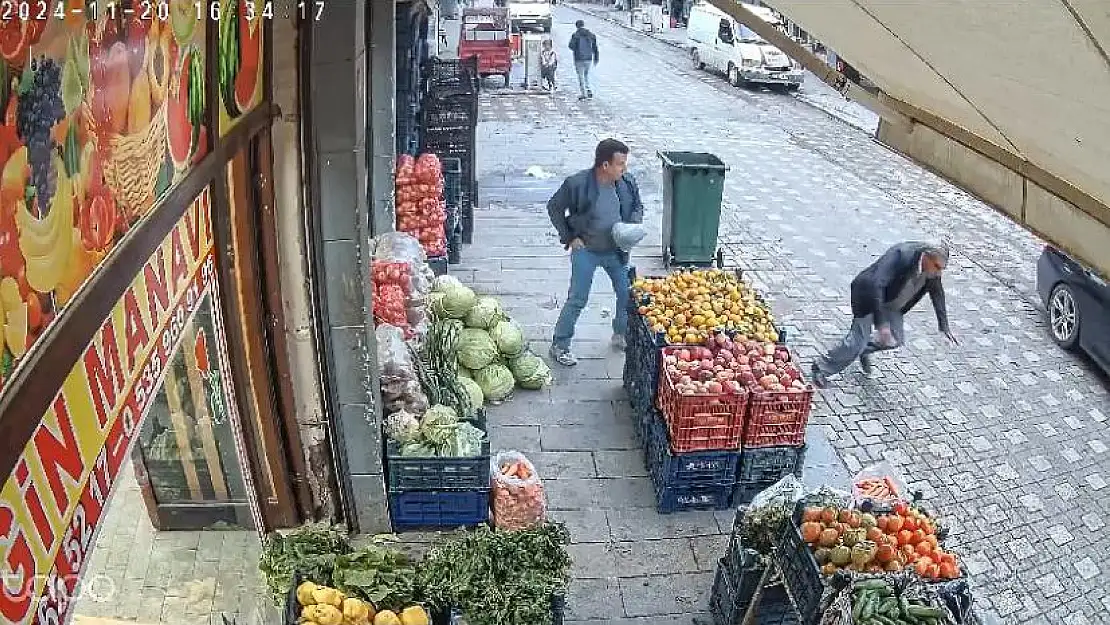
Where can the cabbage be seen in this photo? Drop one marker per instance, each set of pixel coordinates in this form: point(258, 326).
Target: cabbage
point(474, 391)
point(438, 425)
point(495, 380)
point(466, 373)
point(418, 450)
point(402, 426)
point(445, 282)
point(485, 313)
point(466, 442)
point(476, 348)
point(508, 337)
point(530, 371)
point(457, 301)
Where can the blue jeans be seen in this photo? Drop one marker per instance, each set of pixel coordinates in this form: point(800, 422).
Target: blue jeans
point(583, 266)
point(583, 70)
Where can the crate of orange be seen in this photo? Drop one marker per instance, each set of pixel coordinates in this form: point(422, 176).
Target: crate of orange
point(689, 306)
point(702, 412)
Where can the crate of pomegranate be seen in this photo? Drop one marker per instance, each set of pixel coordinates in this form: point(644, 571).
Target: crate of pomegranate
point(701, 400)
point(780, 399)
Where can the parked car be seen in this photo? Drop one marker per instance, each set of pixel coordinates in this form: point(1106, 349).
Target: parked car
point(720, 43)
point(531, 14)
point(1077, 300)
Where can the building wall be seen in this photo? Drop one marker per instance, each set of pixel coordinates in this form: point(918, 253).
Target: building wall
point(341, 168)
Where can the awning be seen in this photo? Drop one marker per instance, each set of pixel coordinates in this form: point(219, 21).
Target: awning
point(1031, 77)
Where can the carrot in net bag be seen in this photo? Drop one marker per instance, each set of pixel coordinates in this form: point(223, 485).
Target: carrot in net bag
point(518, 497)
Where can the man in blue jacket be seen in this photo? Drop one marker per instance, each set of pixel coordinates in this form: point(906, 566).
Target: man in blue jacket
point(584, 211)
point(583, 44)
point(881, 295)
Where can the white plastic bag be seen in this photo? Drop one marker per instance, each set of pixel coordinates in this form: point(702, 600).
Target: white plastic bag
point(518, 501)
point(887, 486)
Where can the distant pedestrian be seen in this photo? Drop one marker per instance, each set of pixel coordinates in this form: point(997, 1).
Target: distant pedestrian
point(549, 62)
point(583, 44)
point(881, 295)
point(591, 211)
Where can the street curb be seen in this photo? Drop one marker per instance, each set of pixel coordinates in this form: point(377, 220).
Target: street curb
point(593, 13)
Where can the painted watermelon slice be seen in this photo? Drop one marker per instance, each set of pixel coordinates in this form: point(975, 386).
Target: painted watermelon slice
point(250, 58)
point(182, 135)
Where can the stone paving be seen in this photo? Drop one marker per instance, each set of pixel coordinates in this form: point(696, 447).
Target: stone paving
point(141, 575)
point(1006, 431)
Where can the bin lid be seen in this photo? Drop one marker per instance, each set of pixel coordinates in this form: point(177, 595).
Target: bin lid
point(628, 236)
point(692, 160)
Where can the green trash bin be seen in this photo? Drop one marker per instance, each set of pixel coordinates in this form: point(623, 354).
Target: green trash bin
point(693, 184)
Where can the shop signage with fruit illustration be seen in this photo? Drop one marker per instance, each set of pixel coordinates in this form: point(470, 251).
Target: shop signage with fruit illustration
point(98, 119)
point(240, 59)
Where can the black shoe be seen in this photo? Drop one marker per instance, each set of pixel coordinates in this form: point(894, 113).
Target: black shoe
point(820, 380)
point(589, 94)
point(581, 97)
point(866, 364)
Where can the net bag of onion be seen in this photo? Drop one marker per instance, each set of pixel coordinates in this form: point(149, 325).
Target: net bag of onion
point(518, 498)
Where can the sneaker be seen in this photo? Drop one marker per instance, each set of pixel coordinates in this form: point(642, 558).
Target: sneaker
point(820, 380)
point(619, 342)
point(589, 94)
point(563, 356)
point(866, 364)
point(581, 97)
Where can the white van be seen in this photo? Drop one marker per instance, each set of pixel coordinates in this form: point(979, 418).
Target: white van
point(530, 14)
point(721, 43)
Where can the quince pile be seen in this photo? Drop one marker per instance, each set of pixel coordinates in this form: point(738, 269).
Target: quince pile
point(688, 307)
point(321, 605)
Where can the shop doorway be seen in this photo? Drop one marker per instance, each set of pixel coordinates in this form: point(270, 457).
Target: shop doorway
point(185, 461)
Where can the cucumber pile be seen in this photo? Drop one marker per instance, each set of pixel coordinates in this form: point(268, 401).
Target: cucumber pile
point(877, 602)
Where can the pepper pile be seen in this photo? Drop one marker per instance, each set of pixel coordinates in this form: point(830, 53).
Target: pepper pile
point(421, 211)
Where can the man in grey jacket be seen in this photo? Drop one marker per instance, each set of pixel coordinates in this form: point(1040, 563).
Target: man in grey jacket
point(583, 44)
point(584, 211)
point(881, 295)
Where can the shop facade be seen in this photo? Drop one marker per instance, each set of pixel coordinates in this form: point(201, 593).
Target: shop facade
point(143, 316)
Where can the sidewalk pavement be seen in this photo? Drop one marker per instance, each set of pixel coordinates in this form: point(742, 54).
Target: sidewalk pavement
point(631, 564)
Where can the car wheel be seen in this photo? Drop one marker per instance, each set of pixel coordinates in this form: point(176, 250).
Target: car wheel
point(733, 75)
point(697, 59)
point(1063, 317)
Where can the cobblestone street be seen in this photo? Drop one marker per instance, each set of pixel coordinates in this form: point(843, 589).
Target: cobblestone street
point(1006, 431)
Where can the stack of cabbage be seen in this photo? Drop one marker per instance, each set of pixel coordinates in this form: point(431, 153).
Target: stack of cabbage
point(493, 355)
point(438, 432)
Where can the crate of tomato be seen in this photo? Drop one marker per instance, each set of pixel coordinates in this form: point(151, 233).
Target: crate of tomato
point(701, 399)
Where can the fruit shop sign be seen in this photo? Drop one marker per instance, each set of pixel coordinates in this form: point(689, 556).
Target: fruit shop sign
point(55, 498)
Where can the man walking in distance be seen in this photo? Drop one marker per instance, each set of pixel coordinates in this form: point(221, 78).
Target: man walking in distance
point(584, 211)
point(583, 44)
point(881, 295)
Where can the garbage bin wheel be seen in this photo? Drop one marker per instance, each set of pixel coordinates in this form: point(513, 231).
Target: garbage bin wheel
point(720, 258)
point(667, 258)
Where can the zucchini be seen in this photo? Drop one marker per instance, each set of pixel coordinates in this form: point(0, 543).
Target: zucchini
point(872, 584)
point(868, 608)
point(920, 612)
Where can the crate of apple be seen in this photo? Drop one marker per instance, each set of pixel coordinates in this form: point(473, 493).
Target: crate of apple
point(731, 365)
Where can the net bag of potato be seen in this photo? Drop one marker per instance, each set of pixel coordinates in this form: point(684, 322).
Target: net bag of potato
point(518, 498)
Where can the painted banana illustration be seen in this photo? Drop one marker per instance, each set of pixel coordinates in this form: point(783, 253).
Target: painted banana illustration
point(46, 243)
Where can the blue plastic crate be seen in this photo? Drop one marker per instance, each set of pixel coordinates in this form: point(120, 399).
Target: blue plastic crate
point(731, 598)
point(680, 498)
point(438, 509)
point(703, 468)
point(438, 265)
point(762, 467)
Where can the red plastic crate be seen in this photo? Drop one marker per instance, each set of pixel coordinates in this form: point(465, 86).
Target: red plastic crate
point(701, 422)
point(778, 418)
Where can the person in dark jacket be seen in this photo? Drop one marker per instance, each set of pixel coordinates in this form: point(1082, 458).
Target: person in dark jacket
point(881, 295)
point(583, 45)
point(584, 211)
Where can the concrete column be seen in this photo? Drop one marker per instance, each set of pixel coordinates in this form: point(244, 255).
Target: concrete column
point(382, 56)
point(293, 248)
point(340, 111)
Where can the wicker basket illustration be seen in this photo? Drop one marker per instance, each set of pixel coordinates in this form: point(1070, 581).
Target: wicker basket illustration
point(131, 170)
